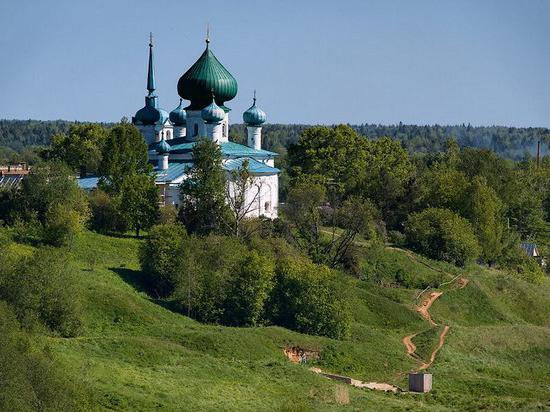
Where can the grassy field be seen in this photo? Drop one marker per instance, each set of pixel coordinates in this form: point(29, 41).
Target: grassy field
point(135, 354)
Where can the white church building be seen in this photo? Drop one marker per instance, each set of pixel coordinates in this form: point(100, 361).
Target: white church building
point(207, 86)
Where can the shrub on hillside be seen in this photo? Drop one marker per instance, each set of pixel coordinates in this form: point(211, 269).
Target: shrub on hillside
point(309, 298)
point(219, 279)
point(248, 289)
point(104, 215)
point(518, 264)
point(443, 235)
point(163, 257)
point(40, 290)
point(29, 379)
point(51, 200)
point(62, 225)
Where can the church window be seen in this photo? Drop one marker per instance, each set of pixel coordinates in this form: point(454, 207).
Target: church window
point(267, 206)
point(224, 130)
point(168, 135)
point(195, 129)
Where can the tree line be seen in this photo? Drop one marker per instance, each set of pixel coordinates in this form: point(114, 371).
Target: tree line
point(19, 138)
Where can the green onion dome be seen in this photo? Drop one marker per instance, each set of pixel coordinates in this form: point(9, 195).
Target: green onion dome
point(205, 75)
point(163, 147)
point(254, 116)
point(212, 113)
point(150, 114)
point(178, 116)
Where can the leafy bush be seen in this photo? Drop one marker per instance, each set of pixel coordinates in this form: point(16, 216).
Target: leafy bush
point(218, 279)
point(62, 225)
point(29, 379)
point(309, 298)
point(104, 215)
point(162, 257)
point(52, 209)
point(248, 290)
point(443, 235)
point(40, 290)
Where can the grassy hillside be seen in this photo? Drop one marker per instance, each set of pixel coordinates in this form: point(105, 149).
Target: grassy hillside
point(135, 354)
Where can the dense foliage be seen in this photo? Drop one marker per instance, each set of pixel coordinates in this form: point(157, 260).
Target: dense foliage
point(442, 235)
point(219, 279)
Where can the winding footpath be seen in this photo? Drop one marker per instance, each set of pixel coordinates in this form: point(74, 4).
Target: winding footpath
point(423, 309)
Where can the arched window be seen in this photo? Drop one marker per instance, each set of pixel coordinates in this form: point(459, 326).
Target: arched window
point(224, 130)
point(195, 129)
point(267, 206)
point(168, 135)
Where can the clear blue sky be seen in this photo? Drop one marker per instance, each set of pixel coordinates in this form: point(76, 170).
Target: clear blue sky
point(424, 62)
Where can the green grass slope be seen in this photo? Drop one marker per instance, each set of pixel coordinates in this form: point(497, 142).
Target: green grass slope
point(135, 354)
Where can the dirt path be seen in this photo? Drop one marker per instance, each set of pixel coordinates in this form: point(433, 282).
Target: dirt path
point(442, 336)
point(423, 309)
point(426, 304)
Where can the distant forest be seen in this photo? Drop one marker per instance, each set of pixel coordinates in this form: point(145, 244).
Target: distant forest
point(17, 136)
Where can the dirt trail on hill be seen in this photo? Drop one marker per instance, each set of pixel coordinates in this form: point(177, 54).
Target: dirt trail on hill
point(294, 354)
point(425, 305)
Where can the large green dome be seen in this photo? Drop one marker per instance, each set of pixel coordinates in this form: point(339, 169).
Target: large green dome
point(205, 77)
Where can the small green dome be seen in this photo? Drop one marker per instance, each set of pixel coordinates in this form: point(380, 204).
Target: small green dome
point(205, 75)
point(163, 147)
point(254, 116)
point(178, 116)
point(150, 114)
point(213, 113)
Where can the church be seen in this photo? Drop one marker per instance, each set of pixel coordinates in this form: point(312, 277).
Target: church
point(207, 85)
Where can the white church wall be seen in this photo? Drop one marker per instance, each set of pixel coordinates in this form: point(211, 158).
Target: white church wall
point(262, 198)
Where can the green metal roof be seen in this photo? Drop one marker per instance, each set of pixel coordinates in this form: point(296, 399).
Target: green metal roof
point(255, 167)
point(207, 75)
point(174, 171)
point(229, 149)
point(232, 149)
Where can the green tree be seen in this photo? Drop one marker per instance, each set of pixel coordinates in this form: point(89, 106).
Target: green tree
point(248, 289)
point(163, 257)
point(40, 288)
point(442, 234)
point(335, 156)
point(31, 379)
point(203, 194)
point(310, 299)
point(124, 154)
point(326, 233)
point(138, 202)
point(389, 171)
point(104, 213)
point(51, 195)
point(483, 208)
point(81, 148)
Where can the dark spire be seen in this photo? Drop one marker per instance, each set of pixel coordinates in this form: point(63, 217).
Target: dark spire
point(254, 99)
point(151, 70)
